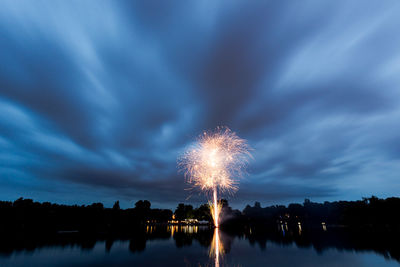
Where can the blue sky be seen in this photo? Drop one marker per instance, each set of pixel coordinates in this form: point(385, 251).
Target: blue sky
point(98, 98)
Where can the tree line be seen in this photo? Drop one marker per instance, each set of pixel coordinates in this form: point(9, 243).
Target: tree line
point(368, 212)
point(25, 215)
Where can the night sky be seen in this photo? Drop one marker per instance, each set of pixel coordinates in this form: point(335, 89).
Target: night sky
point(99, 98)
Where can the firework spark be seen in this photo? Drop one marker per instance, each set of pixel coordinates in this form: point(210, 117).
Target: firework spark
point(214, 163)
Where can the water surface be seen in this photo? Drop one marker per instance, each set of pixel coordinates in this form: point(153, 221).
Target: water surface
point(202, 246)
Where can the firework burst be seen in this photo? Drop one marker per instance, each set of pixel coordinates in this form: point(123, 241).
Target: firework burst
point(214, 163)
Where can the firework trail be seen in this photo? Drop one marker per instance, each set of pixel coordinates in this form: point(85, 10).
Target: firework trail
point(214, 163)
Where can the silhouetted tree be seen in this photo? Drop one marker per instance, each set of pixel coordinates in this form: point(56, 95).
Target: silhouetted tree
point(203, 213)
point(116, 205)
point(143, 205)
point(184, 212)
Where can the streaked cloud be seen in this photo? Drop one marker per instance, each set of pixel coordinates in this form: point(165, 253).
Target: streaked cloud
point(97, 100)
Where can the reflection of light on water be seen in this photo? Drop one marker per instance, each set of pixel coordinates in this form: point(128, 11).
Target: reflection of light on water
point(299, 225)
point(323, 226)
point(172, 229)
point(187, 229)
point(150, 229)
point(283, 230)
point(217, 248)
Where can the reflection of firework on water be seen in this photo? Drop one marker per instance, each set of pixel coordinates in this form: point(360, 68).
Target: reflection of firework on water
point(215, 162)
point(217, 249)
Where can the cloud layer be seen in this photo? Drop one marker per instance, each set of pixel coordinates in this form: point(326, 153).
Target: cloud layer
point(97, 100)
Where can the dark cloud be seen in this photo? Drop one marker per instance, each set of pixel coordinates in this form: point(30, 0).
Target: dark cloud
point(98, 100)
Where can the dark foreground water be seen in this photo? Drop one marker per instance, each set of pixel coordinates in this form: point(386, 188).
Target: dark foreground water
point(204, 246)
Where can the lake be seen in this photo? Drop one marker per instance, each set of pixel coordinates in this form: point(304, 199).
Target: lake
point(163, 245)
